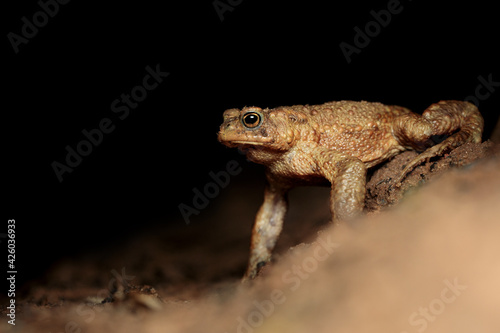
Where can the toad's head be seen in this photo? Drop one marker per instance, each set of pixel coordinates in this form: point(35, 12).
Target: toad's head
point(263, 134)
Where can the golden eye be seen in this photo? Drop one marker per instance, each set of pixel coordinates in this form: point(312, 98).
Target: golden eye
point(251, 119)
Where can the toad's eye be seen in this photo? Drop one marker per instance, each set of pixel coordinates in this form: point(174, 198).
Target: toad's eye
point(251, 119)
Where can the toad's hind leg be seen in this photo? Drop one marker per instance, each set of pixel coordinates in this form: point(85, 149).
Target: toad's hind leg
point(443, 118)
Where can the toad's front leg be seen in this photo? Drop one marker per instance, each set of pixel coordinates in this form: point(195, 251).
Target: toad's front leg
point(267, 226)
point(347, 176)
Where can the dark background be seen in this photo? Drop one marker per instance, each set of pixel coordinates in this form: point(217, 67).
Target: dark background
point(66, 77)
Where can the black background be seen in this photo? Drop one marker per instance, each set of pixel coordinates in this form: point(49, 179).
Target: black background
point(66, 77)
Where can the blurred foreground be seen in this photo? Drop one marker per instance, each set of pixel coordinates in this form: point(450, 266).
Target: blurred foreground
point(430, 264)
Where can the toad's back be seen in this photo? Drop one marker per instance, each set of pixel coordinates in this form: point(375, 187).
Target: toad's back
point(358, 129)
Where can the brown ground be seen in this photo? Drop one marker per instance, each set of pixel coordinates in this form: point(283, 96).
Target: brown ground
point(428, 264)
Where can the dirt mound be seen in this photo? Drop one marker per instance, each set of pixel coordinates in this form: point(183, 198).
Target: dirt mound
point(428, 264)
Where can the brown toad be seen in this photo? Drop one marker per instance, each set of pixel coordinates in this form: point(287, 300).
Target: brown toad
point(335, 143)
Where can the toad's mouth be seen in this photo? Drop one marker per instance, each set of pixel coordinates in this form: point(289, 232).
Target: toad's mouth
point(247, 147)
point(247, 143)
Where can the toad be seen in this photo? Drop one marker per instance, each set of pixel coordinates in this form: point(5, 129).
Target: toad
point(334, 144)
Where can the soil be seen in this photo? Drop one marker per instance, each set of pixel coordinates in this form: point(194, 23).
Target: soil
point(425, 257)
